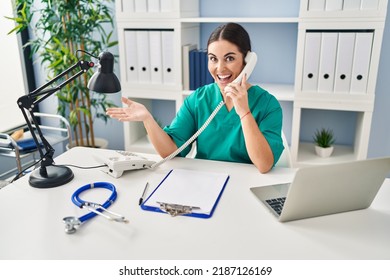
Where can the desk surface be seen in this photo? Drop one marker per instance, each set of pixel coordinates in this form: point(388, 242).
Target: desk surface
point(241, 227)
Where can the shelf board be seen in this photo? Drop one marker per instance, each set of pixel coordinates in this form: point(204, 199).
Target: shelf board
point(241, 19)
point(342, 102)
point(308, 156)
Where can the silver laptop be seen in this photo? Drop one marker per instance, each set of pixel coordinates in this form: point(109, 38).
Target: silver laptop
point(326, 189)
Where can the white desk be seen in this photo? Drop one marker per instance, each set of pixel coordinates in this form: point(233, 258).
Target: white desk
point(241, 227)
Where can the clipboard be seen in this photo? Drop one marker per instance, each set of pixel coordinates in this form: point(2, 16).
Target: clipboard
point(188, 193)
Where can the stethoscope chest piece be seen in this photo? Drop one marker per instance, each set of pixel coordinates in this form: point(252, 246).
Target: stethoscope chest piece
point(71, 224)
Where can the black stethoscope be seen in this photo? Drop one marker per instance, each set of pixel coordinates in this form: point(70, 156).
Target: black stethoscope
point(72, 223)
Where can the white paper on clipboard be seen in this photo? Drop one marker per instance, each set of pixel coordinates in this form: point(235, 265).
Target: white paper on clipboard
point(189, 188)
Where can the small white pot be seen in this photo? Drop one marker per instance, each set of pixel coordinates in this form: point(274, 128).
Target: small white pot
point(324, 152)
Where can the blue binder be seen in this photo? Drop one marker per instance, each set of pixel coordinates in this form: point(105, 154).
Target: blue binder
point(192, 61)
point(188, 193)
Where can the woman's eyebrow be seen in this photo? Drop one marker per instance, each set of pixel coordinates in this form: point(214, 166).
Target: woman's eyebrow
point(229, 53)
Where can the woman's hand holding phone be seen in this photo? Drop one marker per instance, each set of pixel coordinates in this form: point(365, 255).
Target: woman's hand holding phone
point(238, 93)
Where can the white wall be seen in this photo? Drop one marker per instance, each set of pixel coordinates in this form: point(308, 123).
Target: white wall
point(12, 81)
point(380, 130)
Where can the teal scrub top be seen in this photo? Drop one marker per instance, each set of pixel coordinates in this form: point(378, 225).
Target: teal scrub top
point(223, 139)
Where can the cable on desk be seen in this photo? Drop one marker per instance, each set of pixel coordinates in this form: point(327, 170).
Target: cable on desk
point(84, 167)
point(17, 176)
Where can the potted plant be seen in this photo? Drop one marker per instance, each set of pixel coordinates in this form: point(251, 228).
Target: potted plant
point(61, 28)
point(324, 140)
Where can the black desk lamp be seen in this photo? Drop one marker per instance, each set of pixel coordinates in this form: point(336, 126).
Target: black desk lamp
point(103, 81)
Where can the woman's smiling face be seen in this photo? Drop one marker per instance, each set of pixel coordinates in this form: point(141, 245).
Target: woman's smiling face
point(225, 62)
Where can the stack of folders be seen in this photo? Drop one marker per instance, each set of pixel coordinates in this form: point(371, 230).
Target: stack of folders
point(199, 191)
point(337, 62)
point(342, 5)
point(149, 56)
point(147, 6)
point(195, 69)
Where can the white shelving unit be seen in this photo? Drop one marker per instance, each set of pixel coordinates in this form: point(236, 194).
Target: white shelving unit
point(360, 19)
point(325, 16)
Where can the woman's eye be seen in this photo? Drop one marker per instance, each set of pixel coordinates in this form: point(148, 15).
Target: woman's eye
point(229, 58)
point(212, 59)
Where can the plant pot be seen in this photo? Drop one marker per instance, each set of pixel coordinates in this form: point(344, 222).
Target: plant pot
point(99, 143)
point(324, 152)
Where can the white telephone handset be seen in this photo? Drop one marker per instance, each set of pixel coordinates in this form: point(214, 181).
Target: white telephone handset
point(250, 60)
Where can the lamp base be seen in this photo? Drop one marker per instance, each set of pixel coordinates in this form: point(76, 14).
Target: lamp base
point(55, 176)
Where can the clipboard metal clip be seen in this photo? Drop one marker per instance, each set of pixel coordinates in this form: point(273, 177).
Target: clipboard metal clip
point(176, 209)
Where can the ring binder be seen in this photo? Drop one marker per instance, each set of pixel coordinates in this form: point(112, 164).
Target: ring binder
point(176, 209)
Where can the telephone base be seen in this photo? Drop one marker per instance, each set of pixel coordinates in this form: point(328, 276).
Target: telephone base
point(120, 161)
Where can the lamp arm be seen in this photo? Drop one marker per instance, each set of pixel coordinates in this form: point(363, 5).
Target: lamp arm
point(42, 91)
point(39, 91)
point(28, 102)
point(47, 156)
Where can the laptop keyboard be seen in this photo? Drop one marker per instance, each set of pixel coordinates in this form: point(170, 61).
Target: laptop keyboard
point(276, 204)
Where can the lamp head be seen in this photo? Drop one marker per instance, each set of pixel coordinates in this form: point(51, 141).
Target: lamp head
point(104, 80)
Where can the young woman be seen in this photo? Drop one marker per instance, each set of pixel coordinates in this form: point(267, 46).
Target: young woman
point(247, 129)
